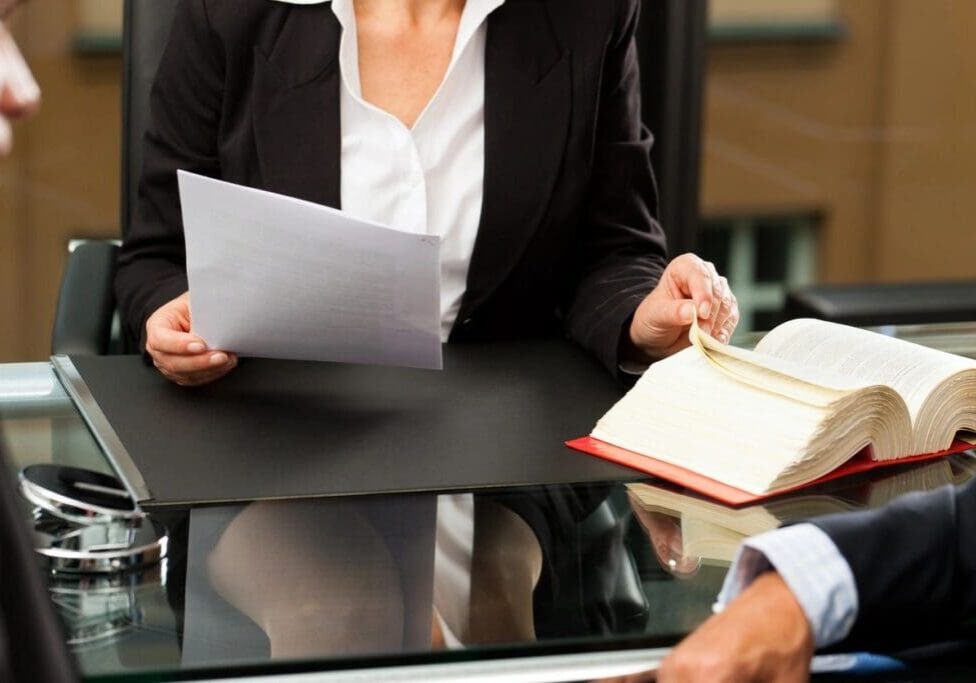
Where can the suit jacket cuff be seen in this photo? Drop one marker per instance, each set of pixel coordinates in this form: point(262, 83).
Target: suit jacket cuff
point(813, 568)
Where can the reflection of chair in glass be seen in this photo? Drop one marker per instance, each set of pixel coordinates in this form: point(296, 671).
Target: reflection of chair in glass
point(589, 583)
point(671, 43)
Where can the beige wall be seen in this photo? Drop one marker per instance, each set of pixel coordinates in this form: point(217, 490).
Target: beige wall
point(99, 16)
point(927, 190)
point(62, 180)
point(794, 127)
point(877, 130)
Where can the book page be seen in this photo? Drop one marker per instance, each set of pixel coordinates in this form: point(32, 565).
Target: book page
point(687, 412)
point(747, 521)
point(825, 389)
point(813, 385)
point(913, 371)
point(710, 543)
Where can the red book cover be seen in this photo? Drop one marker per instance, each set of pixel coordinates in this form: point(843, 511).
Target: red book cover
point(730, 495)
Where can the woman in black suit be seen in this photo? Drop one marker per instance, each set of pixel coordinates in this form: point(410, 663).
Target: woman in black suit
point(519, 122)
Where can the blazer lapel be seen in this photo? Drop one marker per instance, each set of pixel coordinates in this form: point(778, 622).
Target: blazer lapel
point(527, 107)
point(296, 107)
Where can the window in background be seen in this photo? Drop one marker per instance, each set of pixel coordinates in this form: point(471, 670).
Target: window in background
point(855, 116)
point(757, 20)
point(99, 27)
point(763, 257)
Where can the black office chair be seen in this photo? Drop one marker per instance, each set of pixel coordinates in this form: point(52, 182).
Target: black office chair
point(900, 303)
point(671, 40)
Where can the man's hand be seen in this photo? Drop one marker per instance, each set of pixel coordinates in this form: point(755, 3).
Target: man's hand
point(183, 357)
point(763, 635)
point(689, 288)
point(19, 93)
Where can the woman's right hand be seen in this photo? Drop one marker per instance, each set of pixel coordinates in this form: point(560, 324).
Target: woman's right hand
point(181, 356)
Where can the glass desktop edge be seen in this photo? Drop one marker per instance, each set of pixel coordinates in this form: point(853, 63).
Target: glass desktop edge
point(100, 428)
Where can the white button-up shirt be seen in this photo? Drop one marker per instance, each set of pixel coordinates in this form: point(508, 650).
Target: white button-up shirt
point(427, 179)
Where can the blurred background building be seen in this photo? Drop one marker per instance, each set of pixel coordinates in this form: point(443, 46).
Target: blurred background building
point(839, 146)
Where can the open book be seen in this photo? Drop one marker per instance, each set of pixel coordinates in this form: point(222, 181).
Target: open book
point(712, 533)
point(741, 425)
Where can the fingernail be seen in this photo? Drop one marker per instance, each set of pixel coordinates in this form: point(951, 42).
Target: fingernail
point(218, 359)
point(195, 347)
point(687, 313)
point(704, 308)
point(724, 338)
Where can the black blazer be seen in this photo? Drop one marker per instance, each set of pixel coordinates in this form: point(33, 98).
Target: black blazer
point(914, 563)
point(248, 91)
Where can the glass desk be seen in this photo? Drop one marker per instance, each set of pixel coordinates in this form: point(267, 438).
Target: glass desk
point(565, 582)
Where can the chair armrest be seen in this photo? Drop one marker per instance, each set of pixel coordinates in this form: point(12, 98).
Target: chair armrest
point(901, 303)
point(86, 303)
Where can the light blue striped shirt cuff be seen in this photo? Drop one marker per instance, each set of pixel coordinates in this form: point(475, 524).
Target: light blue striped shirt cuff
point(813, 568)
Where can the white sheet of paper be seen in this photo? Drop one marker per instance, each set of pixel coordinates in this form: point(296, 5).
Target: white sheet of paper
point(279, 277)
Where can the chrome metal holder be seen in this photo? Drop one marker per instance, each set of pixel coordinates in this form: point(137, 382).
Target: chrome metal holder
point(79, 496)
point(149, 545)
point(87, 522)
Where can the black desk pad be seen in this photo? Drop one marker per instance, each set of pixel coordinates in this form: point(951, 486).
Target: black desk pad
point(497, 415)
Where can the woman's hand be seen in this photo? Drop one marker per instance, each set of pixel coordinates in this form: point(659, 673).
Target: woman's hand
point(183, 357)
point(688, 288)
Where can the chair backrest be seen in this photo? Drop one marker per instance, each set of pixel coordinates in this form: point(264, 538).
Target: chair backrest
point(671, 43)
point(146, 26)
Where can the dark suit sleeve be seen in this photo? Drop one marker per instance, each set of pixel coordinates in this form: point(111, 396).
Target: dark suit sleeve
point(185, 106)
point(624, 245)
point(914, 563)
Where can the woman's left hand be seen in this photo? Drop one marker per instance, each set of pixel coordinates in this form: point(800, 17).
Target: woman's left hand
point(689, 288)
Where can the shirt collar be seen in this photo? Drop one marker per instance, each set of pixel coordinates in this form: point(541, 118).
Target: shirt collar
point(474, 15)
point(475, 12)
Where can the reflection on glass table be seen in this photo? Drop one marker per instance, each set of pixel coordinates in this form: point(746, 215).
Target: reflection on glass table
point(332, 583)
point(336, 579)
